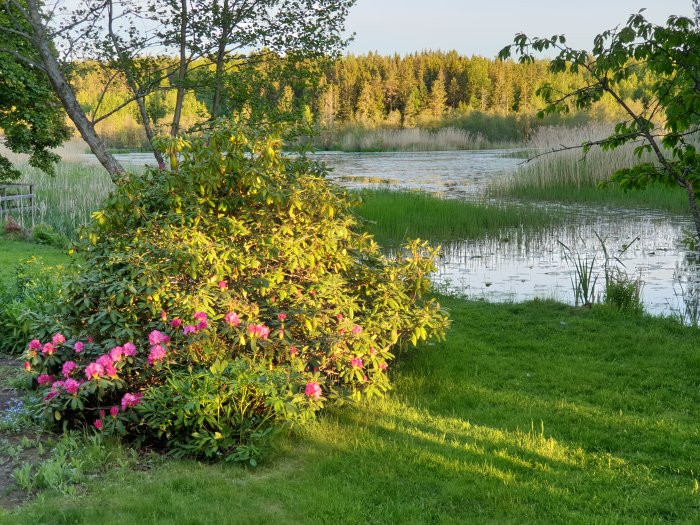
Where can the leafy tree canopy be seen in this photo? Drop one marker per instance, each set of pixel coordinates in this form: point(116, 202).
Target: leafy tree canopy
point(667, 124)
point(30, 115)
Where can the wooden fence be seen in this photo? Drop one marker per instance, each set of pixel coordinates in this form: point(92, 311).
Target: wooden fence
point(17, 201)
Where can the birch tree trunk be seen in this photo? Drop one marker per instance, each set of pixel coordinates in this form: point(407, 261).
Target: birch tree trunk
point(66, 94)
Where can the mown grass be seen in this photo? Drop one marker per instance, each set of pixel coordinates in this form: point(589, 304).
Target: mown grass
point(531, 413)
point(394, 216)
point(14, 252)
point(568, 176)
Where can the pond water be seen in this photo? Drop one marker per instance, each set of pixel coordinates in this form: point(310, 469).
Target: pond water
point(521, 265)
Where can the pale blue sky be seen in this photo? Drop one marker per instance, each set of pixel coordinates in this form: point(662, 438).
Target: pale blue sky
point(483, 27)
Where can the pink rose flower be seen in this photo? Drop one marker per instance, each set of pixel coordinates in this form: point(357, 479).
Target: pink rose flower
point(44, 379)
point(356, 329)
point(93, 371)
point(175, 323)
point(200, 316)
point(157, 354)
point(34, 344)
point(189, 329)
point(71, 386)
point(313, 390)
point(58, 339)
point(232, 319)
point(130, 400)
point(78, 347)
point(114, 411)
point(48, 349)
point(356, 363)
point(98, 424)
point(202, 325)
point(129, 349)
point(223, 285)
point(281, 316)
point(68, 367)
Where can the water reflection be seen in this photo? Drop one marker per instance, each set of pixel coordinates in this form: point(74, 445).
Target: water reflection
point(446, 173)
point(523, 265)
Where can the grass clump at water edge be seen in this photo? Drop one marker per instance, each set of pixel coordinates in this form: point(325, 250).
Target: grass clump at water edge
point(394, 216)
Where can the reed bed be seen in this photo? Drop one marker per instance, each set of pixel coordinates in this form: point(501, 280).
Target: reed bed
point(569, 176)
point(413, 139)
point(395, 216)
point(66, 201)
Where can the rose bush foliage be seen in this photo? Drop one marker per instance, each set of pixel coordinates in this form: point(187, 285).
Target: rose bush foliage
point(233, 293)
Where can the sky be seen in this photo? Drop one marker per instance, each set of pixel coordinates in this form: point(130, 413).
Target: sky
point(484, 27)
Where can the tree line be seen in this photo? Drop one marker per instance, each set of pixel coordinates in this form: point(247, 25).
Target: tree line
point(422, 89)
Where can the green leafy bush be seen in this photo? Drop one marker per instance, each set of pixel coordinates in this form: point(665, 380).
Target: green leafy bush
point(30, 306)
point(239, 260)
point(46, 234)
point(225, 409)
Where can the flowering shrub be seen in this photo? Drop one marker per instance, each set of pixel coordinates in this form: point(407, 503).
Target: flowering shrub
point(227, 296)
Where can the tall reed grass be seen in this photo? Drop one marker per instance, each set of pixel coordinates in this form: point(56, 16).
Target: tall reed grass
point(413, 139)
point(569, 176)
point(66, 201)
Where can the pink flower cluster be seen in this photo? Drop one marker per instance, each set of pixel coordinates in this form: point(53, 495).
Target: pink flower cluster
point(48, 349)
point(67, 368)
point(130, 400)
point(203, 324)
point(313, 390)
point(259, 330)
point(158, 340)
point(356, 362)
point(69, 386)
point(106, 364)
point(232, 319)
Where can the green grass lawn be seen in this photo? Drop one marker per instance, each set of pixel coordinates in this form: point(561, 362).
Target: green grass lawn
point(532, 413)
point(13, 252)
